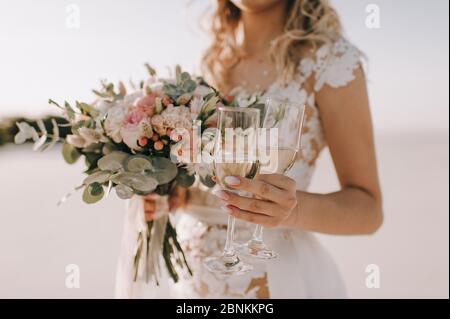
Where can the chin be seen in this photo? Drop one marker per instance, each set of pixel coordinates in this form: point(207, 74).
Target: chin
point(255, 6)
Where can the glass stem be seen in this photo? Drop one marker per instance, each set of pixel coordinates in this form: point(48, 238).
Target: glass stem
point(258, 233)
point(229, 250)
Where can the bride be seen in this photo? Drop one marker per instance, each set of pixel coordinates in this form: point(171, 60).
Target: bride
point(293, 49)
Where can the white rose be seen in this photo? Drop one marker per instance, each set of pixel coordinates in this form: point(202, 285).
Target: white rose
point(114, 120)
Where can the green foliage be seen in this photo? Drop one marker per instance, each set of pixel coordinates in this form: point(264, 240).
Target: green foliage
point(184, 85)
point(97, 177)
point(138, 164)
point(8, 127)
point(207, 181)
point(113, 161)
point(184, 179)
point(124, 191)
point(151, 71)
point(138, 182)
point(93, 193)
point(163, 170)
point(70, 153)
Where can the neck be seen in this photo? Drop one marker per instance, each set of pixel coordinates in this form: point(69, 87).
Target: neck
point(261, 28)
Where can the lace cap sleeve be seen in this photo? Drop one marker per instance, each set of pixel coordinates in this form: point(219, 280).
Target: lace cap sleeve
point(334, 64)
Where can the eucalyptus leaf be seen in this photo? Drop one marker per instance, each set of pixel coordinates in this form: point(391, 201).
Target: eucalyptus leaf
point(70, 153)
point(113, 161)
point(189, 86)
point(184, 76)
point(184, 179)
point(124, 192)
point(96, 189)
point(97, 177)
point(136, 181)
point(207, 181)
point(93, 193)
point(138, 164)
point(184, 99)
point(163, 170)
point(108, 148)
point(95, 148)
point(91, 160)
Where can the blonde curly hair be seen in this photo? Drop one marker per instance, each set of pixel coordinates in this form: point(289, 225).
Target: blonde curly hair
point(309, 23)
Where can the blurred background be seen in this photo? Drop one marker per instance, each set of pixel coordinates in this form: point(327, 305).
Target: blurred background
point(46, 54)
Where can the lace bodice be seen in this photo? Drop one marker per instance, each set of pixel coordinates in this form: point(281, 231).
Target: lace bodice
point(333, 65)
point(203, 232)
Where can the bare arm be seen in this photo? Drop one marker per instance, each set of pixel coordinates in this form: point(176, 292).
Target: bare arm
point(356, 208)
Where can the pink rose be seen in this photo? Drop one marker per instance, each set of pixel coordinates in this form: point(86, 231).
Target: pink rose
point(134, 117)
point(131, 127)
point(146, 104)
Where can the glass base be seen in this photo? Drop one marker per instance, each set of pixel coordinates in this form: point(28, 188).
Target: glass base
point(256, 249)
point(227, 264)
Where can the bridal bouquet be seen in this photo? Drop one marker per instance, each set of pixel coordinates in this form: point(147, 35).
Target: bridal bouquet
point(137, 143)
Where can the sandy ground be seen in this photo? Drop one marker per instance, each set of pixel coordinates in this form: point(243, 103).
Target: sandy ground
point(38, 240)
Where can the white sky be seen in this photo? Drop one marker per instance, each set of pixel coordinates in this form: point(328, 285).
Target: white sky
point(41, 58)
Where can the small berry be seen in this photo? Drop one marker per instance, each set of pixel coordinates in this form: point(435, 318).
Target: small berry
point(158, 145)
point(143, 141)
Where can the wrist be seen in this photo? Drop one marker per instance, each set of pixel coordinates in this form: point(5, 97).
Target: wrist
point(292, 221)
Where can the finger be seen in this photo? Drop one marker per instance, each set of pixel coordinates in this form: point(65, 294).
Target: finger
point(149, 216)
point(177, 191)
point(253, 205)
point(149, 206)
point(175, 203)
point(258, 188)
point(278, 180)
point(259, 219)
point(178, 198)
point(151, 197)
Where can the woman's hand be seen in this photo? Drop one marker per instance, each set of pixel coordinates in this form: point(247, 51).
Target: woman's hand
point(177, 199)
point(274, 200)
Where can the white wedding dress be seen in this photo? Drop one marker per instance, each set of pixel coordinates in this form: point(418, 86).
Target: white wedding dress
point(304, 269)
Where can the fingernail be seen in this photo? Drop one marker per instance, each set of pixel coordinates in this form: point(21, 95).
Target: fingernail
point(231, 180)
point(221, 194)
point(226, 209)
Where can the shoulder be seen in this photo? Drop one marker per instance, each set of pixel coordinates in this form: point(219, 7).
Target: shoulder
point(333, 64)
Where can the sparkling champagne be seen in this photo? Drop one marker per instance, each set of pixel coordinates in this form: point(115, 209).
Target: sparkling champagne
point(280, 160)
point(247, 169)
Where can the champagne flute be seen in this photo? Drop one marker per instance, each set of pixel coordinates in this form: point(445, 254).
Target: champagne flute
point(234, 155)
point(285, 123)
